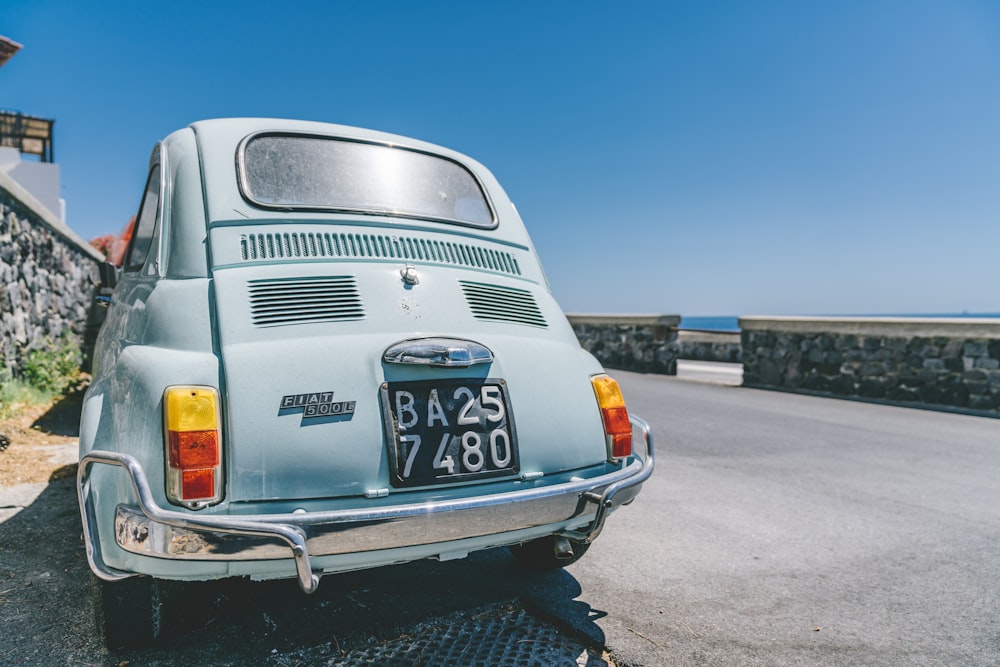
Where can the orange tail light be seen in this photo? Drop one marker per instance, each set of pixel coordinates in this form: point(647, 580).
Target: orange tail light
point(193, 444)
point(616, 422)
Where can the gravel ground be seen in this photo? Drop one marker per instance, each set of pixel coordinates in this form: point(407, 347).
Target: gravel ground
point(44, 579)
point(37, 441)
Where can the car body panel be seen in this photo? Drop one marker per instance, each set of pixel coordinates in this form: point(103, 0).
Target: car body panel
point(263, 364)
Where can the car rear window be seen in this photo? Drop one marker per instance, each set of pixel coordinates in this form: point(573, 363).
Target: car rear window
point(323, 173)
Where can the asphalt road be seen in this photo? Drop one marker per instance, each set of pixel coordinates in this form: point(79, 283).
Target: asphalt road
point(777, 530)
point(785, 530)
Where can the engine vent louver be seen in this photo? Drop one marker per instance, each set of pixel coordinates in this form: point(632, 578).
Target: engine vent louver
point(503, 304)
point(257, 247)
point(304, 300)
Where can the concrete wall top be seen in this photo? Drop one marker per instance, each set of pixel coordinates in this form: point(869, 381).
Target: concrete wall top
point(29, 201)
point(626, 320)
point(695, 336)
point(899, 327)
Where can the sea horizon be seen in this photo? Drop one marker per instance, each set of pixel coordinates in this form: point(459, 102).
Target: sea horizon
point(731, 322)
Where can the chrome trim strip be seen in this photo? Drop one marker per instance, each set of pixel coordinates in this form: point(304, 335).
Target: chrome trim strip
point(328, 528)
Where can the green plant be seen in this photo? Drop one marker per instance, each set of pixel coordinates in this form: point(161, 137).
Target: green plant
point(44, 374)
point(54, 368)
point(15, 394)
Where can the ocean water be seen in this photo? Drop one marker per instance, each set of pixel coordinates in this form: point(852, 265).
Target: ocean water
point(731, 322)
point(723, 323)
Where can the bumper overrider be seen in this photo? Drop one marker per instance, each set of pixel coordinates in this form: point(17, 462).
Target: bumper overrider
point(150, 530)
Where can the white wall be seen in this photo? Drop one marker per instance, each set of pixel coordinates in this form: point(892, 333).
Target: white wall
point(41, 179)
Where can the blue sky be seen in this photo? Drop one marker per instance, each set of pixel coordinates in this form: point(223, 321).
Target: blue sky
point(701, 158)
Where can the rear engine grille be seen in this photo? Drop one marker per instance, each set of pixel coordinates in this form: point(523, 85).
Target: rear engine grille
point(304, 300)
point(504, 304)
point(257, 247)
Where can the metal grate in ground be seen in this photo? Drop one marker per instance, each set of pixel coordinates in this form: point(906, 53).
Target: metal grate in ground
point(494, 636)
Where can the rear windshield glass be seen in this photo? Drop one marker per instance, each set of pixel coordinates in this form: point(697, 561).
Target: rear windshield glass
point(308, 172)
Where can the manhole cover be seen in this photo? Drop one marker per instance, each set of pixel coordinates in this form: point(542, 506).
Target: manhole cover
point(502, 634)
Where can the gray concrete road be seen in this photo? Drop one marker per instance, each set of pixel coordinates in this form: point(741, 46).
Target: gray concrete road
point(712, 372)
point(777, 530)
point(786, 530)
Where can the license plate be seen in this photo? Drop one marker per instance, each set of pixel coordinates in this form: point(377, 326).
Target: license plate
point(446, 431)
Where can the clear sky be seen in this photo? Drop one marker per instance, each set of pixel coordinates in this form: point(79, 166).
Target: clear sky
point(696, 157)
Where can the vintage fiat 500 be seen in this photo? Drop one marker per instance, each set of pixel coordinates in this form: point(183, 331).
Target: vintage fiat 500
point(328, 349)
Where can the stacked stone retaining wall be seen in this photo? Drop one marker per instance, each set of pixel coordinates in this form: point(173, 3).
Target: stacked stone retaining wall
point(935, 362)
point(645, 343)
point(45, 288)
point(722, 346)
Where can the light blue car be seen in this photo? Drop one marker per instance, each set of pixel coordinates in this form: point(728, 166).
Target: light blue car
point(329, 349)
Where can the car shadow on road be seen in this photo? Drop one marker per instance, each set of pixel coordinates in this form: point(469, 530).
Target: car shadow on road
point(63, 418)
point(482, 605)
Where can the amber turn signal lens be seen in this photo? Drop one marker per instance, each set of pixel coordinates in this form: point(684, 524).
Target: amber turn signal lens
point(191, 408)
point(614, 415)
point(194, 449)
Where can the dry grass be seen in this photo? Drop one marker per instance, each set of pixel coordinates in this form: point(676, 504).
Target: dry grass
point(33, 433)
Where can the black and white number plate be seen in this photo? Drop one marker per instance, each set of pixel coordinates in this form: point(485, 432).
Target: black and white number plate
point(445, 431)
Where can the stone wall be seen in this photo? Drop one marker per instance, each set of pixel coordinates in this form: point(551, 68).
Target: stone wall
point(45, 288)
point(710, 345)
point(645, 343)
point(954, 362)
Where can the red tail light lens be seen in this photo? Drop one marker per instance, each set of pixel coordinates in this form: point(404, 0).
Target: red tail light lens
point(197, 484)
point(194, 460)
point(615, 416)
point(194, 449)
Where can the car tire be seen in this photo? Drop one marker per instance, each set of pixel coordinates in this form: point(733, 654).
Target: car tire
point(127, 611)
point(540, 554)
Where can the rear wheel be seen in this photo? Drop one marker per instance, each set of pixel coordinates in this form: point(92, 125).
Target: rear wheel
point(127, 611)
point(540, 554)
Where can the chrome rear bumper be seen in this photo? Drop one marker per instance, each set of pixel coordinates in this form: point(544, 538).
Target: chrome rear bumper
point(153, 531)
